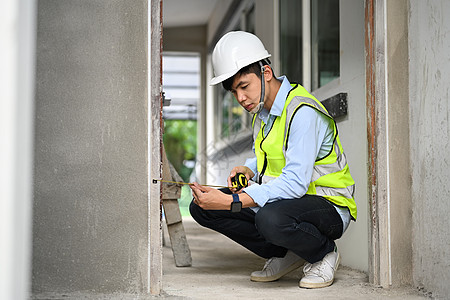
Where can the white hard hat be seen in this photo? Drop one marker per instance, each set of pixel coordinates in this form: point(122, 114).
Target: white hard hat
point(235, 50)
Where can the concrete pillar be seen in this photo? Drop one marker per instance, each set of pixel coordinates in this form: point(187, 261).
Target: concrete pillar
point(400, 210)
point(429, 110)
point(388, 134)
point(91, 201)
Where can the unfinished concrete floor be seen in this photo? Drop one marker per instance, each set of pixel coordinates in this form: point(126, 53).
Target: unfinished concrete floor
point(221, 270)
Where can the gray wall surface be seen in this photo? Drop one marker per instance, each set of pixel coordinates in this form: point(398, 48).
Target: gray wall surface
point(91, 186)
point(429, 48)
point(353, 245)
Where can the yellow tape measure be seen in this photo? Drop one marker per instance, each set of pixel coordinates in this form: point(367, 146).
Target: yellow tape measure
point(239, 181)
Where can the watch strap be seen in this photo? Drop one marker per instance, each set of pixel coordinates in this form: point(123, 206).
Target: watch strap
point(235, 197)
point(236, 205)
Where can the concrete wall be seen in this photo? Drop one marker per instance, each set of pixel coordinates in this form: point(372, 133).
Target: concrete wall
point(352, 128)
point(186, 38)
point(216, 18)
point(90, 220)
point(429, 75)
point(265, 27)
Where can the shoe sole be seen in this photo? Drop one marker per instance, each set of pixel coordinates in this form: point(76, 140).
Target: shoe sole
point(311, 285)
point(277, 276)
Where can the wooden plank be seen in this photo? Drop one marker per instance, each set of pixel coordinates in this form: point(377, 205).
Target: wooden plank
point(180, 247)
point(166, 174)
point(171, 211)
point(170, 195)
point(174, 173)
point(170, 191)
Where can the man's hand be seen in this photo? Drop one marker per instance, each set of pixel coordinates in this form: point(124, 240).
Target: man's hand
point(209, 198)
point(240, 169)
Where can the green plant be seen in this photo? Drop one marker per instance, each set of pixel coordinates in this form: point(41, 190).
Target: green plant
point(180, 142)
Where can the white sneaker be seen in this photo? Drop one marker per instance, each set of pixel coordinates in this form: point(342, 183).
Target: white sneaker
point(277, 267)
point(321, 273)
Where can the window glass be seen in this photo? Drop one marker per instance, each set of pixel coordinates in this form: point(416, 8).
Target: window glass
point(324, 41)
point(232, 117)
point(227, 102)
point(291, 39)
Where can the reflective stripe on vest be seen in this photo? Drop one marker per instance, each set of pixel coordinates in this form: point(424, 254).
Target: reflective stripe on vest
point(331, 177)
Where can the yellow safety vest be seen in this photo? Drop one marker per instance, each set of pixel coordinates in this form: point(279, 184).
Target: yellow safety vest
point(331, 177)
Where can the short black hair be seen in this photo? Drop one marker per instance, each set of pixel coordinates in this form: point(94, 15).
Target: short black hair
point(254, 68)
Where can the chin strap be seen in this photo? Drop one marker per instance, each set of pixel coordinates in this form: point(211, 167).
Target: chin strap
point(260, 105)
point(257, 108)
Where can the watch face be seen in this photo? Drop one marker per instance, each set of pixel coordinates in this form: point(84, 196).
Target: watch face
point(236, 206)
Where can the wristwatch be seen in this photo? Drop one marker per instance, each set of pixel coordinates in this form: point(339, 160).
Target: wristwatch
point(236, 205)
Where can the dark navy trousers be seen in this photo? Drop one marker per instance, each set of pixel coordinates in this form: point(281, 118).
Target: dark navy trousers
point(308, 226)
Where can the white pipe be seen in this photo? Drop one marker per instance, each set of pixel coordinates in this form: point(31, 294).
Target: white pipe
point(17, 37)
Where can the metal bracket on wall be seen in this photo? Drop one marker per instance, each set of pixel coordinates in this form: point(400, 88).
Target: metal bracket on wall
point(166, 101)
point(336, 105)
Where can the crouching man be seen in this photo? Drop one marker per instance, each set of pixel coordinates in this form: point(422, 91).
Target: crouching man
point(303, 197)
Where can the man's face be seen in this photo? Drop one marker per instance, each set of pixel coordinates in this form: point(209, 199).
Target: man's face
point(246, 89)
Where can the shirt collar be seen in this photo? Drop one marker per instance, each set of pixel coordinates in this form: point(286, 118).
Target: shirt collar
point(280, 98)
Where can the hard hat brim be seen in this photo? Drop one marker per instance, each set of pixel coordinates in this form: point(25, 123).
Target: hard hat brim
point(225, 76)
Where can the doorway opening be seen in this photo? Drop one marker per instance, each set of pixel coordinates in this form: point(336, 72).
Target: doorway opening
point(181, 84)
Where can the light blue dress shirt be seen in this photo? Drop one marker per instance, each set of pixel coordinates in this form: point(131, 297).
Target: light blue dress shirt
point(311, 137)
